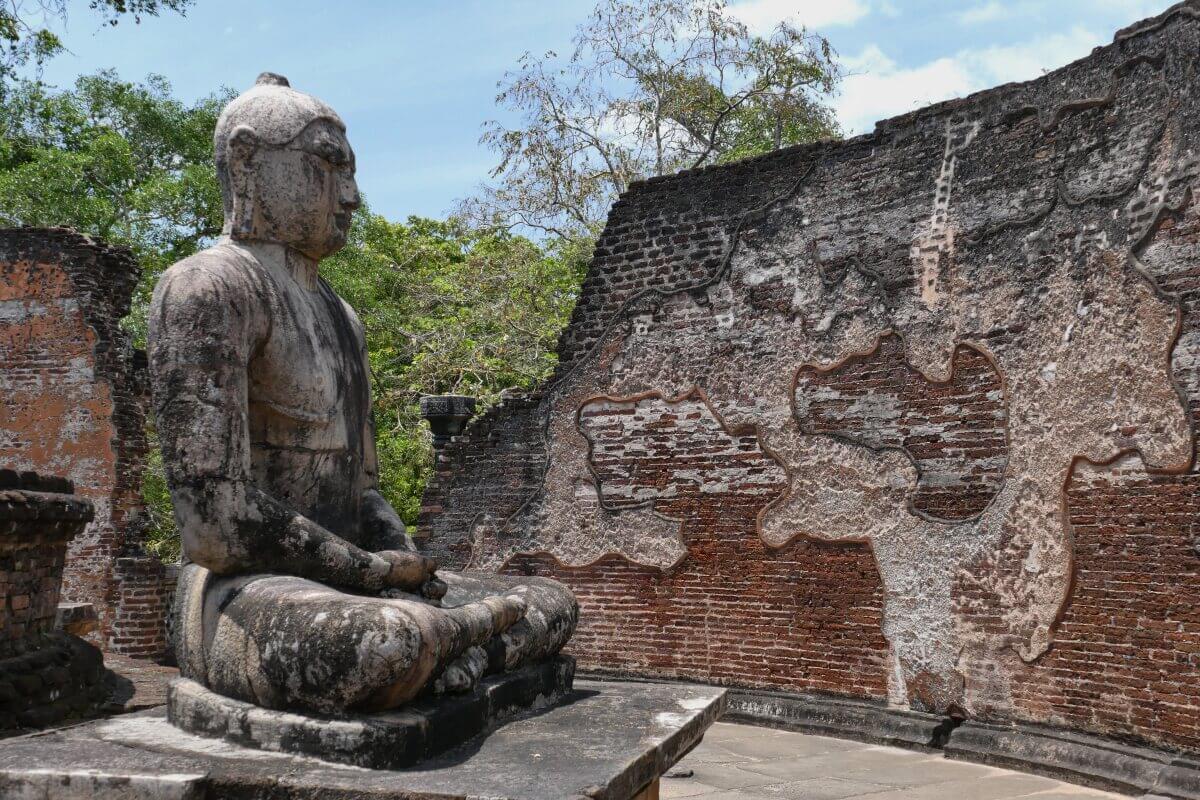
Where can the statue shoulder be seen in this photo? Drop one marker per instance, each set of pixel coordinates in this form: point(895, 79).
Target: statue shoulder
point(221, 282)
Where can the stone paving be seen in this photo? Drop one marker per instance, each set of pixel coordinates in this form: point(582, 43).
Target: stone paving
point(743, 762)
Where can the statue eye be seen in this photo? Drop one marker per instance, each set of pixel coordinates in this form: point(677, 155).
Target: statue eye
point(329, 151)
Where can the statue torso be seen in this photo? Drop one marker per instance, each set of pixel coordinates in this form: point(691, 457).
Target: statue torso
point(308, 396)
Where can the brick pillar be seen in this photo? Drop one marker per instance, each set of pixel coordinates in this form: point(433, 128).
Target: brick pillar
point(144, 587)
point(45, 675)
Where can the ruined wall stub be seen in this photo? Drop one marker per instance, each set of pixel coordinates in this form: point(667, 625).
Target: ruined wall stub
point(963, 347)
point(74, 400)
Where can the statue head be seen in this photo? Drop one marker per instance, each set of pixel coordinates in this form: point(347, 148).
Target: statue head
point(286, 169)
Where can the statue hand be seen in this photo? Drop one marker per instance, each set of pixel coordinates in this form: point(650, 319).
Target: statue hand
point(409, 570)
point(434, 589)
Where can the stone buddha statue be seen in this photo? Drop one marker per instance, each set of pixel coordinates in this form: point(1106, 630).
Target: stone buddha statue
point(302, 589)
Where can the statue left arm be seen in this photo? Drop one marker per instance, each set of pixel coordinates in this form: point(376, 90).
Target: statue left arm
point(382, 525)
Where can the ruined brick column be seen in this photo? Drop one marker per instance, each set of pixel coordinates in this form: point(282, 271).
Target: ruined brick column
point(45, 675)
point(74, 405)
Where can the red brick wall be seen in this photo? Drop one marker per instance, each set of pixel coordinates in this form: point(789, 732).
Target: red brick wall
point(145, 589)
point(74, 401)
point(1066, 187)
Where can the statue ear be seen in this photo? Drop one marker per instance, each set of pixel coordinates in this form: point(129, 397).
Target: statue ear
point(242, 147)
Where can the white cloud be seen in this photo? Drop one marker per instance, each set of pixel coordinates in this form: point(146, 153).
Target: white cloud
point(888, 9)
point(761, 16)
point(988, 12)
point(1027, 60)
point(877, 88)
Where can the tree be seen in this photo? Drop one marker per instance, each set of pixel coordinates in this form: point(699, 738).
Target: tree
point(447, 308)
point(124, 162)
point(23, 42)
point(653, 86)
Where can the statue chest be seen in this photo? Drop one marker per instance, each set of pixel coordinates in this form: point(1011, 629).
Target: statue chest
point(308, 387)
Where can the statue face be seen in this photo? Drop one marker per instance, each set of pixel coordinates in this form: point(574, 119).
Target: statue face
point(302, 193)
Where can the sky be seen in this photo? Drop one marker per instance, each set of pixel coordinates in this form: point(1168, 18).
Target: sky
point(415, 79)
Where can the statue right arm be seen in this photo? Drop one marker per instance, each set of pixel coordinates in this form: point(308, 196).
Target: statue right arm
point(204, 329)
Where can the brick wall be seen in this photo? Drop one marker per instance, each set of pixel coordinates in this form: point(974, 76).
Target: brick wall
point(75, 394)
point(146, 589)
point(45, 675)
point(38, 516)
point(910, 417)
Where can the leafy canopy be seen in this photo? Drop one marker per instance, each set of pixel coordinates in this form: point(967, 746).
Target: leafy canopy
point(23, 41)
point(652, 87)
point(448, 309)
point(123, 162)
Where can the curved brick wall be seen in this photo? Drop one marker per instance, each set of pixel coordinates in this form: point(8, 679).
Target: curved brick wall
point(908, 418)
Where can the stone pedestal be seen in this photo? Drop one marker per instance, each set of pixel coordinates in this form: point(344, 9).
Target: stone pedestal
point(605, 741)
point(46, 675)
point(447, 415)
point(386, 740)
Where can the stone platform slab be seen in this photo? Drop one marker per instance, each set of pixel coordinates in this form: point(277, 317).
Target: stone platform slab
point(743, 762)
point(605, 741)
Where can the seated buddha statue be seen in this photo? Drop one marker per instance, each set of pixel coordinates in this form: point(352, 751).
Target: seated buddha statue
point(302, 589)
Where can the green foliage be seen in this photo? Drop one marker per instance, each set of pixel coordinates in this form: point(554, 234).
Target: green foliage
point(162, 536)
point(124, 162)
point(448, 309)
point(23, 43)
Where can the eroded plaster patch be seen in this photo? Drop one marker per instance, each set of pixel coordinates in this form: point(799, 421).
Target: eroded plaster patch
point(1041, 257)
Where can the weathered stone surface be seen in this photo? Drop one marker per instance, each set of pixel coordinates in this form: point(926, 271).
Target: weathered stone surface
point(909, 416)
point(1075, 757)
point(385, 740)
point(43, 784)
point(606, 743)
point(844, 718)
point(304, 591)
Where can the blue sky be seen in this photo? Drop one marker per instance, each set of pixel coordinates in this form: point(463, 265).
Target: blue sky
point(414, 80)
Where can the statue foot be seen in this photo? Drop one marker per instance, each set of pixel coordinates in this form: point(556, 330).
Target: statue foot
point(463, 673)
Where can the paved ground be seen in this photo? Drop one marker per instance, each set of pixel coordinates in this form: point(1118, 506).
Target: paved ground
point(742, 762)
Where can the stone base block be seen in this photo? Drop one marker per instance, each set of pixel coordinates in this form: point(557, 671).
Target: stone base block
point(604, 741)
point(57, 677)
point(388, 740)
point(77, 619)
point(844, 718)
